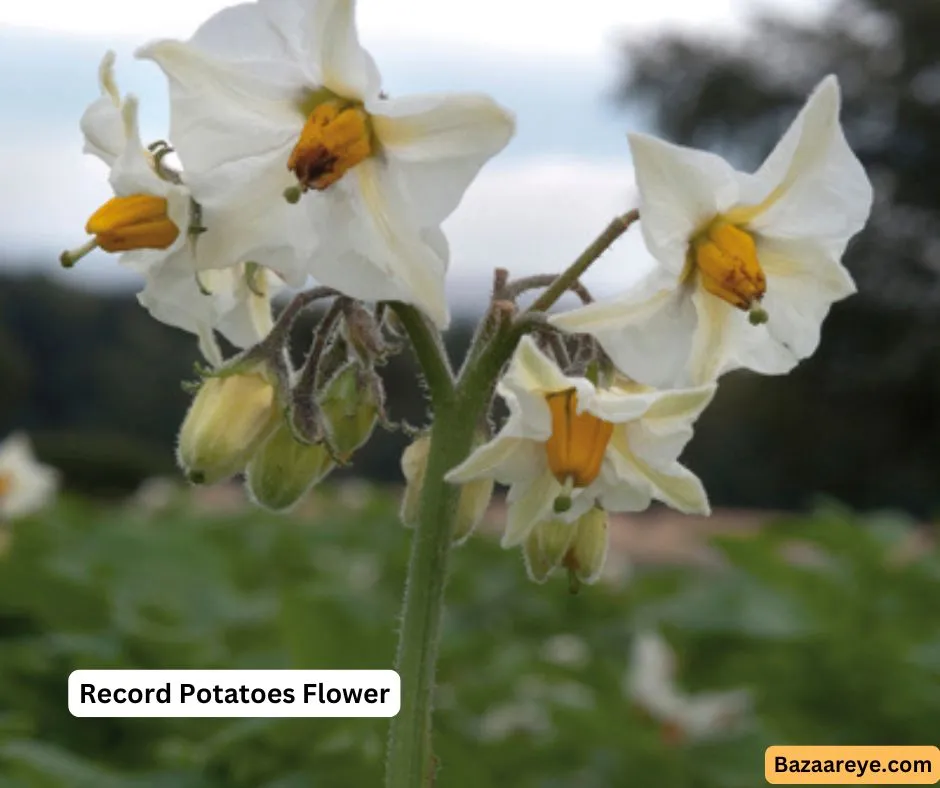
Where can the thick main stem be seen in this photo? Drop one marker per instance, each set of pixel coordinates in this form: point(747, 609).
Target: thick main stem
point(457, 410)
point(409, 752)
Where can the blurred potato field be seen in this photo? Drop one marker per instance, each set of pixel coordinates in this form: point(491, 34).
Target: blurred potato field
point(829, 621)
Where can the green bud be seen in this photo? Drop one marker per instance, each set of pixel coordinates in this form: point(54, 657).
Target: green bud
point(414, 462)
point(282, 471)
point(350, 409)
point(588, 551)
point(546, 547)
point(474, 496)
point(228, 420)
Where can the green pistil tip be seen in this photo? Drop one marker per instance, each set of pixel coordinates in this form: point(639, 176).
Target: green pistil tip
point(758, 316)
point(562, 504)
point(293, 194)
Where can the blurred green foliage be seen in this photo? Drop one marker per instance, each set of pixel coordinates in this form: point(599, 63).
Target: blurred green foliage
point(840, 648)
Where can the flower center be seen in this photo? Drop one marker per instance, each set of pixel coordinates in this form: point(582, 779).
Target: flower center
point(6, 483)
point(726, 258)
point(335, 138)
point(578, 442)
point(139, 221)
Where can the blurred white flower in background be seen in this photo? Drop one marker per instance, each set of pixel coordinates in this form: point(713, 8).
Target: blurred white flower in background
point(26, 485)
point(650, 683)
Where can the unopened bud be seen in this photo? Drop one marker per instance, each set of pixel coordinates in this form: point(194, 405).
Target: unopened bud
point(281, 472)
point(228, 420)
point(350, 409)
point(474, 496)
point(546, 548)
point(587, 553)
point(579, 547)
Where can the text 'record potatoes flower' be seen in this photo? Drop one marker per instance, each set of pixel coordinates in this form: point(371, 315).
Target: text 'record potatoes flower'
point(650, 683)
point(569, 445)
point(277, 99)
point(26, 485)
point(159, 231)
point(749, 264)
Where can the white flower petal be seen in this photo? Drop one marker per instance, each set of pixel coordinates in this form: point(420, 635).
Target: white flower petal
point(817, 186)
point(395, 242)
point(803, 280)
point(226, 111)
point(667, 426)
point(505, 458)
point(240, 32)
point(677, 487)
point(681, 189)
point(439, 144)
point(332, 41)
point(711, 353)
point(248, 220)
point(669, 482)
point(132, 172)
point(217, 299)
point(249, 319)
point(101, 123)
point(529, 504)
point(529, 416)
point(532, 371)
point(647, 331)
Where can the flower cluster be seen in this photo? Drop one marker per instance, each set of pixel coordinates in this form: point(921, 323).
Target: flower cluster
point(287, 161)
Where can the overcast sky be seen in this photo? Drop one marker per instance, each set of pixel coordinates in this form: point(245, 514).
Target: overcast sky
point(533, 209)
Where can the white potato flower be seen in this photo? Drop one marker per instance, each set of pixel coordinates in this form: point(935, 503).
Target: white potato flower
point(651, 684)
point(277, 99)
point(749, 263)
point(149, 222)
point(26, 485)
point(568, 445)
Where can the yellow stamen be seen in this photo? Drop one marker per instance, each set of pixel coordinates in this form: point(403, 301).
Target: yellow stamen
point(578, 442)
point(6, 483)
point(726, 257)
point(335, 138)
point(139, 221)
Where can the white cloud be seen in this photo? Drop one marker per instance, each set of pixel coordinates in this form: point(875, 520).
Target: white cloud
point(535, 217)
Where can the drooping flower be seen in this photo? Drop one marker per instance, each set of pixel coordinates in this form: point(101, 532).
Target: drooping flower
point(650, 683)
point(158, 230)
point(749, 263)
point(26, 485)
point(278, 98)
point(568, 445)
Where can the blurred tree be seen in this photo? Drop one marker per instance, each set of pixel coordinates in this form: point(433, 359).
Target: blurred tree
point(860, 420)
